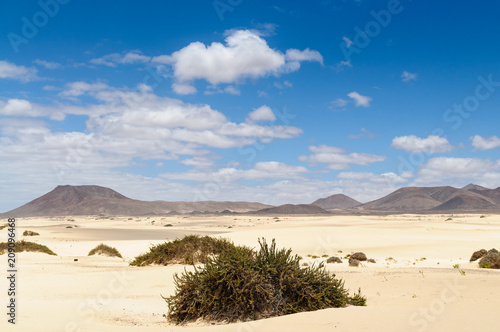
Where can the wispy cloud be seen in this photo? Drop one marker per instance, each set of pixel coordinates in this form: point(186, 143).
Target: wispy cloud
point(408, 77)
point(359, 100)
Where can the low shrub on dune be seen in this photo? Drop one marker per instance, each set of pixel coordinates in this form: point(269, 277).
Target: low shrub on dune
point(241, 284)
point(191, 249)
point(105, 250)
point(26, 246)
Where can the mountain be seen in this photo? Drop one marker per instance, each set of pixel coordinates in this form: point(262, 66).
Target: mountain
point(337, 201)
point(471, 198)
point(472, 186)
point(293, 209)
point(95, 200)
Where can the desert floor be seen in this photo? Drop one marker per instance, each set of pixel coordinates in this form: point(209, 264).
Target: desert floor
point(418, 290)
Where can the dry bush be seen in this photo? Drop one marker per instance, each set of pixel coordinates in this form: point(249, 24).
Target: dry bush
point(26, 246)
point(105, 250)
point(191, 249)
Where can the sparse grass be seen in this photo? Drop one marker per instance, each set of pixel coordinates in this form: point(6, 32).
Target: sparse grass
point(241, 284)
point(26, 246)
point(30, 233)
point(4, 226)
point(191, 249)
point(105, 250)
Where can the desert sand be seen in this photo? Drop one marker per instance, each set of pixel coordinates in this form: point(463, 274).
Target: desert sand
point(418, 290)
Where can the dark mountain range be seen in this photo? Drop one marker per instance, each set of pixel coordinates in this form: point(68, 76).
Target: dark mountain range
point(337, 201)
point(293, 209)
point(422, 199)
point(96, 200)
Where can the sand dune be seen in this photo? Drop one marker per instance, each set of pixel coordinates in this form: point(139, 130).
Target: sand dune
point(418, 290)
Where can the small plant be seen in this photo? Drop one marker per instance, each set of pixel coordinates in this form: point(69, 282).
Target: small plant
point(191, 249)
point(462, 272)
point(339, 251)
point(241, 284)
point(105, 250)
point(30, 233)
point(325, 256)
point(314, 256)
point(449, 219)
point(482, 217)
point(69, 226)
point(357, 299)
point(456, 266)
point(26, 246)
point(4, 226)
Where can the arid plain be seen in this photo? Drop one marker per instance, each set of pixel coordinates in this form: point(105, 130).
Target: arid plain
point(428, 285)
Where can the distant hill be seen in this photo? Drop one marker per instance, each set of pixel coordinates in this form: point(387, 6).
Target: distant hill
point(337, 201)
point(471, 198)
point(293, 209)
point(95, 200)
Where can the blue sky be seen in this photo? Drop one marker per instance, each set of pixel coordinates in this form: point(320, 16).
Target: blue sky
point(269, 101)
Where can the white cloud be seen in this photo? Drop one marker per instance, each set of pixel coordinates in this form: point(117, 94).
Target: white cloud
point(263, 113)
point(76, 89)
point(431, 144)
point(111, 60)
point(21, 73)
point(482, 143)
point(47, 64)
point(21, 107)
point(260, 172)
point(245, 54)
point(338, 103)
point(184, 89)
point(437, 170)
point(336, 158)
point(359, 100)
point(343, 64)
point(347, 41)
point(407, 77)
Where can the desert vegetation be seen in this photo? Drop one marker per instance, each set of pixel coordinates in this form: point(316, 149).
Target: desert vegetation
point(30, 233)
point(242, 284)
point(491, 260)
point(191, 249)
point(105, 250)
point(26, 246)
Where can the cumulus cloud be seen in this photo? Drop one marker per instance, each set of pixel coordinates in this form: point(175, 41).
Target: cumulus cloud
point(407, 76)
point(245, 54)
point(359, 100)
point(436, 170)
point(263, 113)
point(337, 158)
point(414, 144)
point(483, 143)
point(9, 70)
point(24, 108)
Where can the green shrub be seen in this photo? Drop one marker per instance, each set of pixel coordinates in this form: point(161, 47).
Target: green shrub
point(191, 249)
point(241, 284)
point(26, 246)
point(105, 250)
point(30, 233)
point(490, 261)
